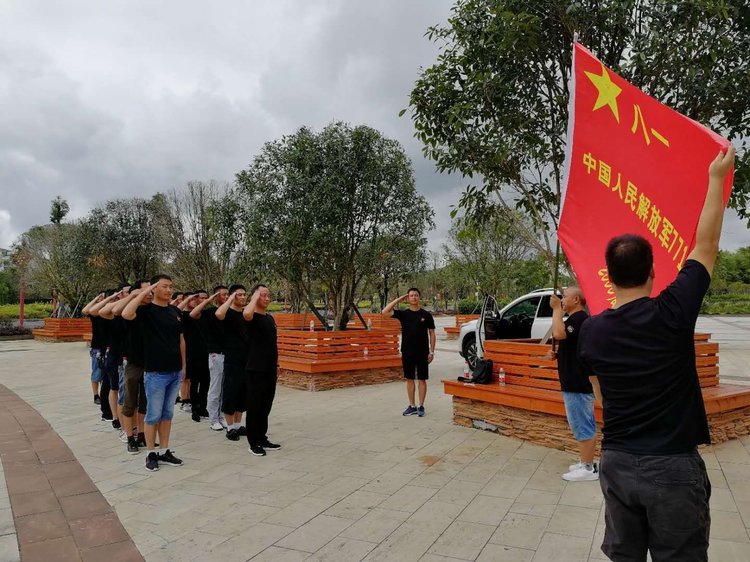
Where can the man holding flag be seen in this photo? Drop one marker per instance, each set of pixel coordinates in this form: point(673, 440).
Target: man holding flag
point(636, 166)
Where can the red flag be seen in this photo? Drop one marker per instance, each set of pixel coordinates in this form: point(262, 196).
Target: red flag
point(633, 166)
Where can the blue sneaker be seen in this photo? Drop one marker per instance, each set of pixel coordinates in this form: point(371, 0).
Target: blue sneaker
point(420, 411)
point(410, 411)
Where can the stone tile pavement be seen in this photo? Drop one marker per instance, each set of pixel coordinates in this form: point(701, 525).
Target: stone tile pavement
point(355, 480)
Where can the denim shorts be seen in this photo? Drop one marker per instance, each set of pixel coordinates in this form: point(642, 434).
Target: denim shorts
point(121, 382)
point(579, 407)
point(96, 371)
point(161, 393)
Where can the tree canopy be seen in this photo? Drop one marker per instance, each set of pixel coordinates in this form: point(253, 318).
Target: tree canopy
point(494, 105)
point(318, 208)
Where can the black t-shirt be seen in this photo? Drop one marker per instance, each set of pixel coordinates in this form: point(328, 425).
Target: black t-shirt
point(572, 376)
point(415, 326)
point(97, 333)
point(117, 337)
point(235, 338)
point(195, 345)
point(263, 353)
point(161, 329)
point(644, 355)
point(213, 330)
point(134, 342)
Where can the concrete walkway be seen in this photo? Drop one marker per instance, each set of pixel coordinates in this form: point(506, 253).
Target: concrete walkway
point(355, 480)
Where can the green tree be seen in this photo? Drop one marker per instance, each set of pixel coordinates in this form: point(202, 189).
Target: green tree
point(127, 236)
point(316, 206)
point(58, 209)
point(494, 105)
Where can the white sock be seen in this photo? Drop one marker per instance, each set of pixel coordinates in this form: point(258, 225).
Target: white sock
point(235, 426)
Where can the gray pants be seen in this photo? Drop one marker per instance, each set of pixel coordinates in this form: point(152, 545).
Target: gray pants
point(216, 370)
point(657, 503)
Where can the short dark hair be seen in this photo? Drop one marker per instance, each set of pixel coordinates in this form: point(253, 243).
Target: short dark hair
point(219, 288)
point(121, 286)
point(236, 287)
point(199, 291)
point(258, 286)
point(414, 289)
point(109, 292)
point(158, 277)
point(629, 260)
point(137, 283)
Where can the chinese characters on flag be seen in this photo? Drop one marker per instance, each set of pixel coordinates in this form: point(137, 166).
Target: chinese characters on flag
point(633, 166)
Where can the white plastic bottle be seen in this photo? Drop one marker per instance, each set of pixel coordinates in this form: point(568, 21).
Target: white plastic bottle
point(312, 325)
point(466, 369)
point(501, 377)
point(369, 323)
point(365, 352)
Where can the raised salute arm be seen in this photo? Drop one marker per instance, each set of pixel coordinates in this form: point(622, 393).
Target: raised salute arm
point(249, 310)
point(558, 324)
point(709, 224)
point(195, 314)
point(120, 305)
point(221, 312)
point(96, 307)
point(388, 310)
point(131, 308)
point(87, 308)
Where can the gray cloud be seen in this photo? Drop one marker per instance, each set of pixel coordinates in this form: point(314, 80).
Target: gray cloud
point(132, 98)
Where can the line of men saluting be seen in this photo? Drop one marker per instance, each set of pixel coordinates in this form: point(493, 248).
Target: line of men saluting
point(147, 346)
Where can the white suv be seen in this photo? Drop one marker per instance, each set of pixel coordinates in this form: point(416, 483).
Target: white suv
point(529, 316)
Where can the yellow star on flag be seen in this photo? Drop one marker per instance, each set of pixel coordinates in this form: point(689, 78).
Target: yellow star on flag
point(608, 91)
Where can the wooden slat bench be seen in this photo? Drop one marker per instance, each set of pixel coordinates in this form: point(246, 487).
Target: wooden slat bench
point(453, 331)
point(327, 360)
point(296, 320)
point(63, 329)
point(530, 405)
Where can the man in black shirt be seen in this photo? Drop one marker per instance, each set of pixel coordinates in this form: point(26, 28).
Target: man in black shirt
point(134, 390)
point(213, 334)
point(97, 347)
point(164, 361)
point(197, 355)
point(261, 370)
point(234, 399)
point(642, 353)
point(417, 345)
point(576, 387)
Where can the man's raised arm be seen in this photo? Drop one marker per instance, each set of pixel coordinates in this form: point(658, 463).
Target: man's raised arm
point(709, 224)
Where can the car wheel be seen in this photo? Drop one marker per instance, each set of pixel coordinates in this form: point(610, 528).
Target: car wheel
point(470, 351)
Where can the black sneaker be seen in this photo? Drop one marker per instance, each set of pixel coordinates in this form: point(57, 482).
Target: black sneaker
point(268, 446)
point(97, 400)
point(132, 446)
point(204, 413)
point(242, 431)
point(233, 435)
point(196, 417)
point(170, 459)
point(257, 450)
point(141, 440)
point(116, 424)
point(152, 462)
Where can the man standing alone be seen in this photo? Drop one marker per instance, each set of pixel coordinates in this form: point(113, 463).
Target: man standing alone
point(576, 387)
point(642, 352)
point(417, 346)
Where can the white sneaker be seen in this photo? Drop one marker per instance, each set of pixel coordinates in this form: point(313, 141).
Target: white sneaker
point(581, 474)
point(186, 408)
point(579, 464)
point(123, 436)
point(217, 426)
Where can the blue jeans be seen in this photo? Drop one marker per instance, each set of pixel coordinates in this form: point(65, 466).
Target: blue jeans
point(161, 393)
point(579, 408)
point(96, 371)
point(121, 385)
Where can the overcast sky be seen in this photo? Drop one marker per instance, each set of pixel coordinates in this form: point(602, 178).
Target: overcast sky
point(127, 98)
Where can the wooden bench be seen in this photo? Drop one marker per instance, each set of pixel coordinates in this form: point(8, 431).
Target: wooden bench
point(326, 360)
point(453, 331)
point(62, 329)
point(297, 320)
point(530, 405)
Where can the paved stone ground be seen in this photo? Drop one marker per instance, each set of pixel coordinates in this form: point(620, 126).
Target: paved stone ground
point(356, 480)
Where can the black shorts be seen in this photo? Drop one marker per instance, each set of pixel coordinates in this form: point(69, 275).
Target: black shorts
point(415, 364)
point(657, 503)
point(112, 364)
point(235, 389)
